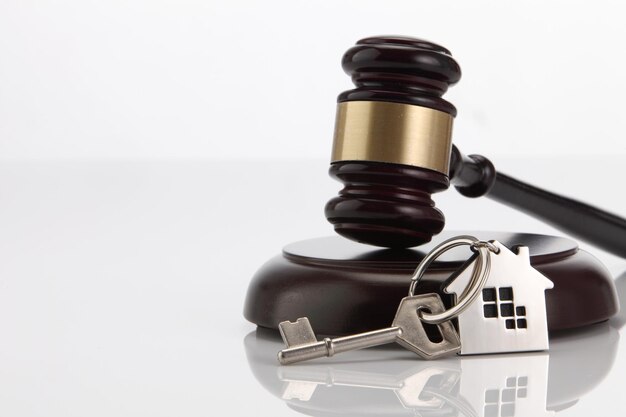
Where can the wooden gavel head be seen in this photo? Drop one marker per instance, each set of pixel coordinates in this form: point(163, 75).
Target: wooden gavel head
point(392, 141)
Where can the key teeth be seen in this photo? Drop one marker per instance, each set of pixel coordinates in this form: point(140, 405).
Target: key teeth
point(297, 333)
point(415, 337)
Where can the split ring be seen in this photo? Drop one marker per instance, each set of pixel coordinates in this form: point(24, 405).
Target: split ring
point(478, 279)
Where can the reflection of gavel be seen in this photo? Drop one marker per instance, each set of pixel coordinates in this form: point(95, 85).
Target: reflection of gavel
point(393, 149)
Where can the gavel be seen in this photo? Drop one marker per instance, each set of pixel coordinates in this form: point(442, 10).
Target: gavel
point(393, 149)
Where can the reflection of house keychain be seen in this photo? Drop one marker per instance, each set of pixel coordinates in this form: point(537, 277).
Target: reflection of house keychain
point(500, 305)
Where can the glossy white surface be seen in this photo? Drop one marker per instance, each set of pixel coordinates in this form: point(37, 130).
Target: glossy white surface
point(122, 287)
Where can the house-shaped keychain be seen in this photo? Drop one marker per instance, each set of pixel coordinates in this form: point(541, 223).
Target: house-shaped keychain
point(510, 314)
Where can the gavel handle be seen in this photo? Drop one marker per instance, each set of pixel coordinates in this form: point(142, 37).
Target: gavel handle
point(475, 176)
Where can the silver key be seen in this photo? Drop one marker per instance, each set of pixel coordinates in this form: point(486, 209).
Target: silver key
point(407, 329)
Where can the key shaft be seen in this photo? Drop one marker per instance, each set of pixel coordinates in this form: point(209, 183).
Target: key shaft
point(328, 347)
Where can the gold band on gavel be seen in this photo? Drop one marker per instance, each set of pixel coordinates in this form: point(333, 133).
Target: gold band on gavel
point(393, 132)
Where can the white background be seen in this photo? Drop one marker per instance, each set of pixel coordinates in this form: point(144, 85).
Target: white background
point(154, 154)
point(258, 79)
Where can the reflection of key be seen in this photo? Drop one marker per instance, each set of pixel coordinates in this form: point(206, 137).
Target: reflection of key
point(407, 329)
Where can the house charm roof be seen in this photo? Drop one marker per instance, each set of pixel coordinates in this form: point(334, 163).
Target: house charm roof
point(510, 314)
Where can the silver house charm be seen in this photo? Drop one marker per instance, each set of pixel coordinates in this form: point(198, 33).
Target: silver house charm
point(510, 313)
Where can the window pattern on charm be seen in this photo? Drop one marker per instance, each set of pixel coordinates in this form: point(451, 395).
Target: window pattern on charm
point(499, 302)
point(501, 403)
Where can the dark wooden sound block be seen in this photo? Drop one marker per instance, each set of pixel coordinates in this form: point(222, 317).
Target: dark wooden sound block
point(345, 287)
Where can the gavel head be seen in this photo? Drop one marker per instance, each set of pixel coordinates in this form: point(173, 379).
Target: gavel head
point(392, 141)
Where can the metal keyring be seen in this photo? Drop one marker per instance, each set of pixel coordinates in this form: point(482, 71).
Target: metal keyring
point(477, 281)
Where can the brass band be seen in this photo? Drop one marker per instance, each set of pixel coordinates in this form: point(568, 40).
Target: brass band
point(393, 132)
